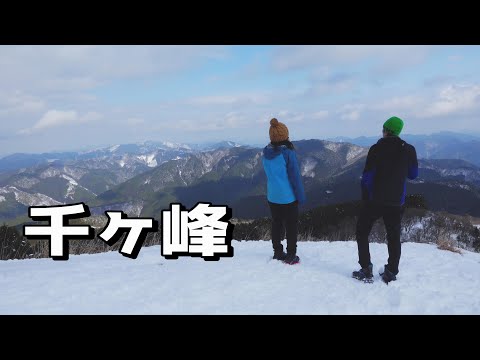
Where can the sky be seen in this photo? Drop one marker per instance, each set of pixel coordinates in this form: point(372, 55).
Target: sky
point(77, 97)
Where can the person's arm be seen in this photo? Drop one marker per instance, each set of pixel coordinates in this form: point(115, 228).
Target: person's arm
point(295, 177)
point(412, 163)
point(369, 174)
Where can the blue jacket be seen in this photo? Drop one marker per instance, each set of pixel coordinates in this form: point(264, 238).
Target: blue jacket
point(284, 181)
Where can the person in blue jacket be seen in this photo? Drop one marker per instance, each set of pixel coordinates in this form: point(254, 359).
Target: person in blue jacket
point(284, 191)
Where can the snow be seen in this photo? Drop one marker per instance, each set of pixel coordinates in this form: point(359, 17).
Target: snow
point(180, 174)
point(70, 180)
point(50, 172)
point(148, 159)
point(333, 146)
point(354, 152)
point(175, 146)
point(468, 174)
point(26, 182)
point(133, 209)
point(254, 162)
point(169, 144)
point(27, 199)
point(307, 167)
point(2, 198)
point(431, 281)
point(418, 225)
point(70, 191)
point(72, 184)
point(74, 172)
point(212, 158)
point(113, 148)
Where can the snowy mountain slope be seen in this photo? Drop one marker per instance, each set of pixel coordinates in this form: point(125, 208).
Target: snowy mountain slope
point(450, 170)
point(150, 176)
point(431, 281)
point(225, 175)
point(80, 176)
point(157, 150)
point(331, 174)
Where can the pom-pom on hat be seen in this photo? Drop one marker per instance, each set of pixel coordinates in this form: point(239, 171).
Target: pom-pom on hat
point(278, 131)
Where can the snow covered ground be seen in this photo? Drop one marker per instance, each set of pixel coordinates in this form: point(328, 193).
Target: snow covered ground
point(431, 281)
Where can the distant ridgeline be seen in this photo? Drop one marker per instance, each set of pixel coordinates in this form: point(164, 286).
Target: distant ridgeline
point(142, 180)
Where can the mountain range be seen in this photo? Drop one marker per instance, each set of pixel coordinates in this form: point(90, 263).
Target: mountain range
point(331, 173)
point(142, 179)
point(442, 145)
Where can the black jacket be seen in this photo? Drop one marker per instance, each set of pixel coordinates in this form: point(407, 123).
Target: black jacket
point(389, 163)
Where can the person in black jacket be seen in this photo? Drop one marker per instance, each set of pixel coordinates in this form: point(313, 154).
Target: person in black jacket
point(389, 163)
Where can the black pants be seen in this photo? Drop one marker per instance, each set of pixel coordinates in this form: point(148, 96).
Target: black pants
point(392, 217)
point(284, 220)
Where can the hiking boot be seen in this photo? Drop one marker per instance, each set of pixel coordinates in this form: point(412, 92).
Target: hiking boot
point(364, 274)
point(291, 259)
point(280, 256)
point(387, 275)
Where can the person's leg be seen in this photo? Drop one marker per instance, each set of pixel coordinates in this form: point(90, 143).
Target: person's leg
point(291, 227)
point(277, 227)
point(366, 219)
point(392, 218)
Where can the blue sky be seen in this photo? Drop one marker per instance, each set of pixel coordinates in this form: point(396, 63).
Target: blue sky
point(78, 97)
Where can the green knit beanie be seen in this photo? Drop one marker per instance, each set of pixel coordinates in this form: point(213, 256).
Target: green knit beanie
point(394, 125)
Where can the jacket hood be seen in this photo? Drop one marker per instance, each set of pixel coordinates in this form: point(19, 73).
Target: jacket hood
point(391, 140)
point(270, 152)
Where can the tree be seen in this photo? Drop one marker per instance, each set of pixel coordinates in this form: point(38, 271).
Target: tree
point(12, 244)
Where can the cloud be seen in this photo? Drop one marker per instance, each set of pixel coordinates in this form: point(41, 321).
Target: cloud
point(135, 121)
point(230, 120)
point(453, 99)
point(351, 115)
point(20, 102)
point(46, 77)
point(219, 100)
point(319, 115)
point(214, 100)
point(438, 80)
point(78, 67)
point(351, 112)
point(234, 120)
point(55, 118)
point(74, 83)
point(449, 100)
point(332, 83)
point(398, 104)
point(291, 117)
point(293, 57)
point(90, 116)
